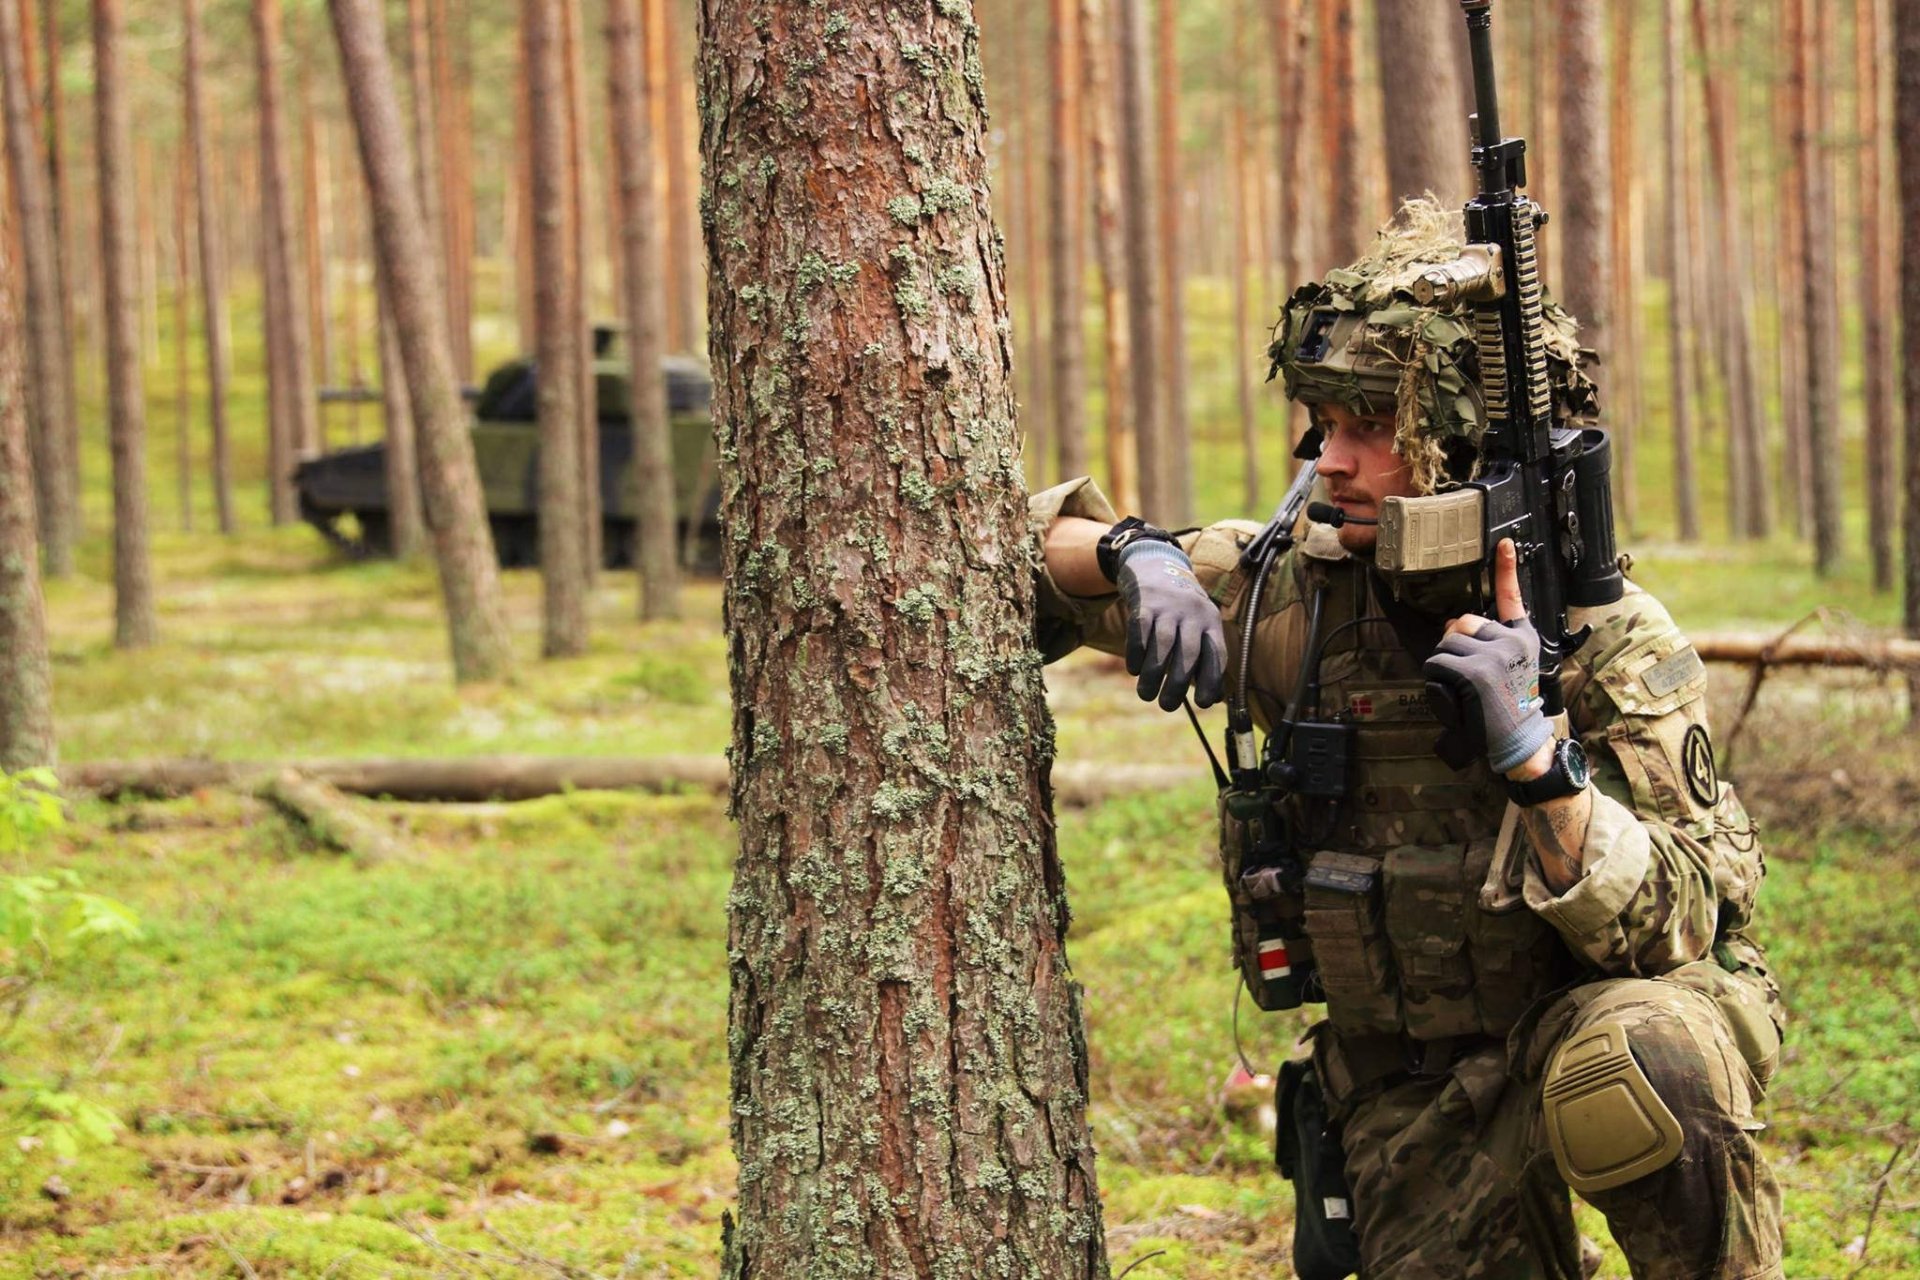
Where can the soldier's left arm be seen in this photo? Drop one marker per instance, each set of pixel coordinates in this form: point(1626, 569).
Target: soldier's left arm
point(1640, 873)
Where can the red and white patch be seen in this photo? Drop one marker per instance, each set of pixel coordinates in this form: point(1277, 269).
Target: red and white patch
point(1274, 962)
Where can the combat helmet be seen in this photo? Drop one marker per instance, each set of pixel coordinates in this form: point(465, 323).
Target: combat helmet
point(1357, 338)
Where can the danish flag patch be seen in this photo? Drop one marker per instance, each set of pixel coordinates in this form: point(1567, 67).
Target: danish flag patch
point(1273, 959)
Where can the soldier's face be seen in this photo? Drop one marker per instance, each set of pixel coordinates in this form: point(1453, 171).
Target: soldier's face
point(1360, 467)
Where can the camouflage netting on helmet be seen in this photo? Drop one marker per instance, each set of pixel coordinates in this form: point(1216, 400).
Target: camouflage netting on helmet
point(1358, 339)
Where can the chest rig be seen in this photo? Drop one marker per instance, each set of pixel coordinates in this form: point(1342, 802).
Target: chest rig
point(1356, 860)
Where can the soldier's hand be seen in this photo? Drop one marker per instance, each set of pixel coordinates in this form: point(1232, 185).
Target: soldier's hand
point(1175, 640)
point(1492, 670)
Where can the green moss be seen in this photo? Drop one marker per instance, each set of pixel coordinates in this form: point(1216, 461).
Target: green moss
point(905, 210)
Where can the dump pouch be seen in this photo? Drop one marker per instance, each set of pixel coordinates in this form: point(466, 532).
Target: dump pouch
point(1307, 1149)
point(1270, 947)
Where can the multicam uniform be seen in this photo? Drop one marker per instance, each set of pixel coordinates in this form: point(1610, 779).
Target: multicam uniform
point(1472, 1013)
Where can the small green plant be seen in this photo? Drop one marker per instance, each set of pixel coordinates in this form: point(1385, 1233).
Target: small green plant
point(668, 680)
point(46, 919)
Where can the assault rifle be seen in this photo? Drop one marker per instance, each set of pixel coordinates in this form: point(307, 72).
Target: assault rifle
point(1541, 484)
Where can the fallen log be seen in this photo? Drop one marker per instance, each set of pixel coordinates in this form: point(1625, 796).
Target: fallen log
point(487, 778)
point(1875, 654)
point(330, 817)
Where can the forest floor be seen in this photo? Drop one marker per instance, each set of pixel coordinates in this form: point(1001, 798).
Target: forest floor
point(504, 1052)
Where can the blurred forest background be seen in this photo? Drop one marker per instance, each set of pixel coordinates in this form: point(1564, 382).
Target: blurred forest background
point(302, 1032)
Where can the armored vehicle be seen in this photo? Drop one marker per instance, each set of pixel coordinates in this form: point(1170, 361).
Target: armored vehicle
point(506, 443)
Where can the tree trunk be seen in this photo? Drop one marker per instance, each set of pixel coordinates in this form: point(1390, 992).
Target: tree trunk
point(1139, 223)
point(1176, 444)
point(646, 306)
point(455, 511)
point(401, 457)
point(1426, 139)
point(182, 365)
point(1289, 72)
point(291, 373)
point(1066, 240)
point(426, 140)
point(1746, 442)
point(48, 400)
point(313, 206)
point(909, 1067)
point(1876, 338)
point(683, 194)
point(133, 617)
point(26, 683)
point(1096, 35)
point(1906, 133)
point(453, 129)
point(1239, 159)
point(1624, 404)
point(1340, 136)
point(586, 415)
point(60, 207)
point(562, 562)
point(522, 202)
point(1820, 294)
point(1585, 154)
point(1796, 407)
point(213, 299)
point(1686, 489)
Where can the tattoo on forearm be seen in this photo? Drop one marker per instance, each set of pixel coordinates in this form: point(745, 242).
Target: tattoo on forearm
point(1559, 834)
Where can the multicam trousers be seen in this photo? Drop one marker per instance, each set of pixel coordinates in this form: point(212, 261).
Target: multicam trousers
point(1452, 1175)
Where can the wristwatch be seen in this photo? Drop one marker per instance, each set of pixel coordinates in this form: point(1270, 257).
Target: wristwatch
point(1567, 775)
point(1117, 539)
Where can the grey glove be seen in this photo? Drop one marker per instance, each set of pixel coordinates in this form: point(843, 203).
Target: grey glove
point(1175, 639)
point(1494, 676)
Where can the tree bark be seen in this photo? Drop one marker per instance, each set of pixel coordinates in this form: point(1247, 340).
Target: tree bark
point(426, 141)
point(49, 404)
point(455, 512)
point(1586, 161)
point(290, 368)
point(401, 457)
point(683, 194)
point(453, 130)
point(646, 306)
point(1906, 133)
point(1123, 475)
point(1686, 489)
point(909, 1066)
point(1340, 136)
point(313, 199)
point(60, 208)
point(1795, 331)
point(213, 298)
point(1876, 335)
point(1820, 294)
point(1624, 406)
point(1176, 444)
point(1239, 159)
point(1066, 239)
point(182, 364)
point(133, 615)
point(587, 514)
point(26, 681)
point(1143, 273)
point(556, 352)
point(1426, 139)
point(1289, 73)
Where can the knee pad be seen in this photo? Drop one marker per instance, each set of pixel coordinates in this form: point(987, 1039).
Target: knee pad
point(1605, 1122)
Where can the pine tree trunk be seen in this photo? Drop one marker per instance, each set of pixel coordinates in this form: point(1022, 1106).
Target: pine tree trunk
point(401, 456)
point(60, 206)
point(1032, 383)
point(646, 305)
point(455, 511)
point(290, 369)
point(1624, 403)
point(133, 615)
point(909, 1068)
point(1426, 140)
point(1096, 36)
point(579, 286)
point(452, 142)
point(1796, 407)
point(557, 351)
point(1239, 158)
point(1820, 296)
point(1289, 73)
point(1906, 133)
point(182, 365)
point(49, 404)
point(1066, 240)
point(1876, 344)
point(683, 195)
point(1176, 444)
point(1586, 161)
point(1680, 310)
point(213, 298)
point(1340, 136)
point(26, 683)
point(1139, 223)
point(313, 206)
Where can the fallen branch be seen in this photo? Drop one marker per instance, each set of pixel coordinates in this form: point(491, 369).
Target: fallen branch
point(483, 778)
point(1877, 654)
point(326, 812)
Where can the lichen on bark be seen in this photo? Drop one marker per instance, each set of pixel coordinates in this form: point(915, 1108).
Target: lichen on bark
point(909, 1068)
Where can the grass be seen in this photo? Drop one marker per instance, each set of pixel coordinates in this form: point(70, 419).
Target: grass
point(512, 1045)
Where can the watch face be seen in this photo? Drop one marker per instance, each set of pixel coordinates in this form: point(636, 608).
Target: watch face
point(1575, 757)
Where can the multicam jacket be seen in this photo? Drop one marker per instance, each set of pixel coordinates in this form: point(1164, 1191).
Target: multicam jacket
point(1672, 863)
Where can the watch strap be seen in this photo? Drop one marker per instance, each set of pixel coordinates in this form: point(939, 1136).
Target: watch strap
point(1567, 775)
point(1123, 535)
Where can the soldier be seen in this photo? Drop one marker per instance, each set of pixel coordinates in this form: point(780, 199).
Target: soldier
point(1536, 969)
